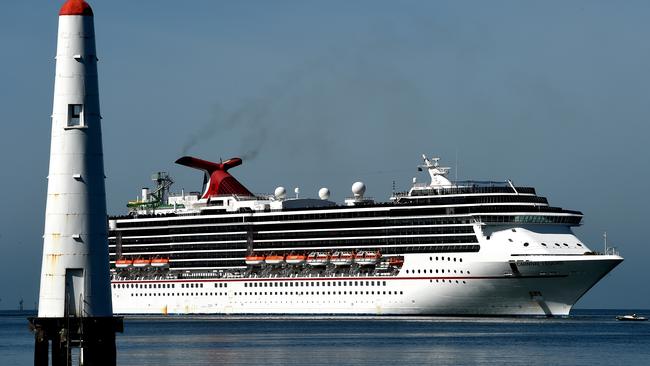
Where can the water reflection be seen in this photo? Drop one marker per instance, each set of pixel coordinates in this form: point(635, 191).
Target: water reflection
point(379, 341)
point(589, 338)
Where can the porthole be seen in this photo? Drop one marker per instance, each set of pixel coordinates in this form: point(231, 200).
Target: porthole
point(525, 244)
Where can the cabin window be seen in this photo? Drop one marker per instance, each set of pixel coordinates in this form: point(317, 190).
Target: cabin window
point(75, 115)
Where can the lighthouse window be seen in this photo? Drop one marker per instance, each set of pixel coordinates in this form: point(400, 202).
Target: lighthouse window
point(74, 115)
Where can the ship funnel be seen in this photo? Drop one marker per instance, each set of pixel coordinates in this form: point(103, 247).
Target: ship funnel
point(219, 182)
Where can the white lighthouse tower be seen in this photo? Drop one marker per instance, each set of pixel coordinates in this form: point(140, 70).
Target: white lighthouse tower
point(75, 298)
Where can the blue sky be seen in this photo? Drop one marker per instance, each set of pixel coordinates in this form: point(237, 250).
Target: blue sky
point(552, 94)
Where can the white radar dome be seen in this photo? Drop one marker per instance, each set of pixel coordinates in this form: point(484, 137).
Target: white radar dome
point(358, 189)
point(324, 193)
point(280, 193)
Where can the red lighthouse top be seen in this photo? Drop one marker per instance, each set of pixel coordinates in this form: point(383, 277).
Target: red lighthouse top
point(76, 7)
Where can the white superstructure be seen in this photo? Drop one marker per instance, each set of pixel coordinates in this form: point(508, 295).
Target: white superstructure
point(443, 248)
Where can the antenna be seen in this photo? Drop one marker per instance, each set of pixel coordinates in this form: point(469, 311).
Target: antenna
point(456, 170)
point(605, 240)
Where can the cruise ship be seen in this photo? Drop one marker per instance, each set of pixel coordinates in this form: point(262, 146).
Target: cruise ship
point(475, 248)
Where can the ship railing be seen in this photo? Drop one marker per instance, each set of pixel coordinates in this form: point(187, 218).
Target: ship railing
point(466, 187)
point(360, 199)
point(607, 251)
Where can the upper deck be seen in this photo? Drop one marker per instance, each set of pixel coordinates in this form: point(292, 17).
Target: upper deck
point(482, 201)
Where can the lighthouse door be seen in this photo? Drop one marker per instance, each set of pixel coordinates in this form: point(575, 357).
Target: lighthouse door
point(74, 290)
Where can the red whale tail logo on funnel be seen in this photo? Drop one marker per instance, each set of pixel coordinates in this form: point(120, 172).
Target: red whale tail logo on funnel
point(220, 182)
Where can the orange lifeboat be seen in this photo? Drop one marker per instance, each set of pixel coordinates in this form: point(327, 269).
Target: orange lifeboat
point(396, 261)
point(139, 263)
point(254, 259)
point(296, 258)
point(365, 258)
point(318, 258)
point(342, 258)
point(274, 259)
point(123, 263)
point(160, 262)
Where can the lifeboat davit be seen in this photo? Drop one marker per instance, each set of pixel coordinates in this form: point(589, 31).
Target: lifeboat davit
point(139, 263)
point(274, 259)
point(296, 258)
point(365, 258)
point(123, 263)
point(160, 262)
point(318, 258)
point(342, 258)
point(254, 260)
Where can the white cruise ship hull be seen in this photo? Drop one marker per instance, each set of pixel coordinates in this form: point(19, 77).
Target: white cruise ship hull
point(539, 286)
point(466, 248)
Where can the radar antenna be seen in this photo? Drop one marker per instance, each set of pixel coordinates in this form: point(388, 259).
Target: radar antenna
point(438, 174)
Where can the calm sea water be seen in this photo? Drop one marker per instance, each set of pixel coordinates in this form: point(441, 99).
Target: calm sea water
point(589, 337)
